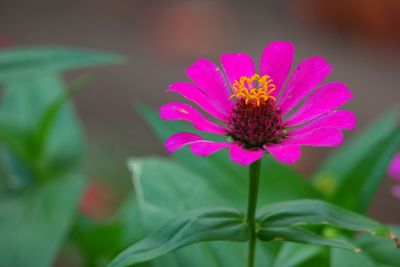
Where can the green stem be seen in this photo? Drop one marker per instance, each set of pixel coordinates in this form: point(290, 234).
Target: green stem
point(254, 179)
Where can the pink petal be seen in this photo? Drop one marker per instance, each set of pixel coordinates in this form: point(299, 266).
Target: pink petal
point(396, 191)
point(394, 167)
point(320, 137)
point(339, 119)
point(179, 140)
point(206, 148)
point(307, 75)
point(276, 62)
point(194, 94)
point(198, 145)
point(237, 66)
point(243, 156)
point(181, 111)
point(288, 154)
point(208, 77)
point(323, 100)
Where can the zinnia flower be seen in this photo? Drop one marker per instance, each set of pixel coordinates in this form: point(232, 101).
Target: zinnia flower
point(394, 172)
point(257, 111)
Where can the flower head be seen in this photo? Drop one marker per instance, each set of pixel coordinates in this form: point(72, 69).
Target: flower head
point(256, 110)
point(394, 173)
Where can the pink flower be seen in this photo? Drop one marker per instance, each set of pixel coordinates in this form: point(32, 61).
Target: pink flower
point(394, 172)
point(257, 111)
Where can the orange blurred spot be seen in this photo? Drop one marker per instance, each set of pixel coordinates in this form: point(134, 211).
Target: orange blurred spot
point(98, 201)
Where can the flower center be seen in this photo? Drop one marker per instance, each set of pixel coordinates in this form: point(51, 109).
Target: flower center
point(254, 89)
point(256, 120)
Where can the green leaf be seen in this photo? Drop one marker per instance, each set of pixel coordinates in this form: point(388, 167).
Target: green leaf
point(98, 241)
point(319, 260)
point(32, 83)
point(17, 141)
point(165, 190)
point(351, 175)
point(363, 181)
point(50, 115)
point(280, 182)
point(345, 158)
point(195, 226)
point(317, 212)
point(22, 62)
point(300, 235)
point(33, 225)
point(34, 222)
point(24, 104)
point(341, 258)
point(285, 221)
point(169, 189)
point(129, 216)
point(292, 254)
point(380, 250)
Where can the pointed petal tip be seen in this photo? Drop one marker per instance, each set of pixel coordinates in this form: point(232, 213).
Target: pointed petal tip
point(353, 120)
point(340, 140)
point(169, 149)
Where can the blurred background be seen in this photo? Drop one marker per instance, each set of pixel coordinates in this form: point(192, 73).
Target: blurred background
point(361, 38)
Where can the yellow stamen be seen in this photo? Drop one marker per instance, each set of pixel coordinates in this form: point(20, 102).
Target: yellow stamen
point(254, 89)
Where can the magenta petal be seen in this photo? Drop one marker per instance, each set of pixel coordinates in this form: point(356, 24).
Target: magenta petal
point(194, 94)
point(206, 148)
point(394, 167)
point(307, 75)
point(288, 154)
point(276, 61)
point(339, 119)
point(320, 137)
point(181, 111)
point(179, 140)
point(198, 145)
point(237, 65)
point(208, 77)
point(243, 156)
point(323, 100)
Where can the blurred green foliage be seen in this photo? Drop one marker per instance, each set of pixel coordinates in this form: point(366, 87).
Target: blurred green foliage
point(41, 182)
point(41, 151)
